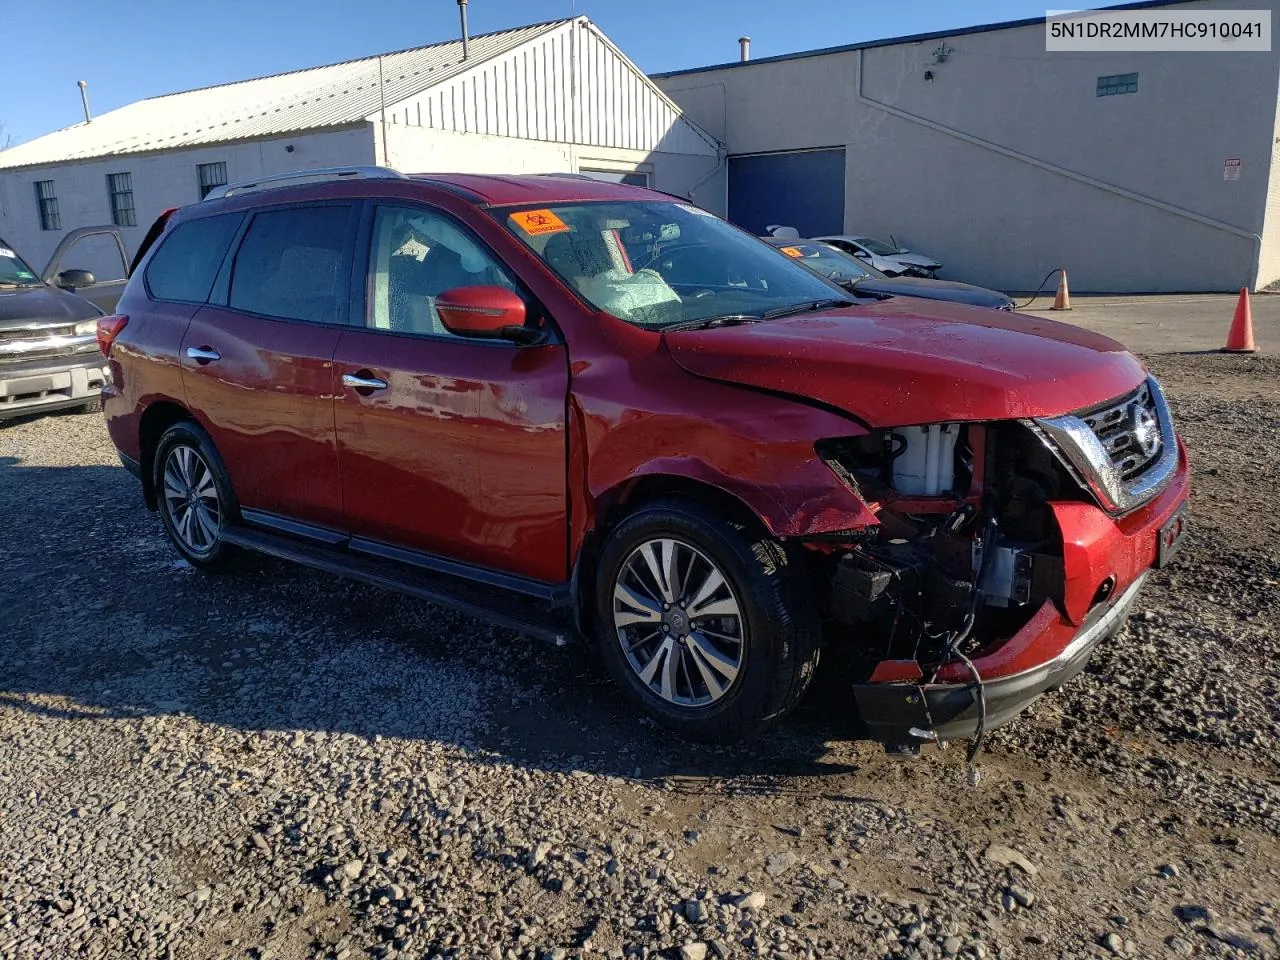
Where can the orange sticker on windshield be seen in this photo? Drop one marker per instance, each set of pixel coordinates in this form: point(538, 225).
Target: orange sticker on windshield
point(793, 251)
point(536, 222)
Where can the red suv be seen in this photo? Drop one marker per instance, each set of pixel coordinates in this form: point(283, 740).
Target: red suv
point(582, 409)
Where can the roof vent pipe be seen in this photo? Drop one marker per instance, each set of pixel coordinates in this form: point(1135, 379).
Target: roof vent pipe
point(462, 14)
point(745, 44)
point(84, 99)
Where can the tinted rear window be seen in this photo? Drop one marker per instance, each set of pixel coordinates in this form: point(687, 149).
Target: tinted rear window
point(290, 264)
point(187, 262)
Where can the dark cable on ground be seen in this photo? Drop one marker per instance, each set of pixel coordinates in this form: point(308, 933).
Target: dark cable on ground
point(1035, 296)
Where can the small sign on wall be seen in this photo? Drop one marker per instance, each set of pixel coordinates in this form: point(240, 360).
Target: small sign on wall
point(1231, 168)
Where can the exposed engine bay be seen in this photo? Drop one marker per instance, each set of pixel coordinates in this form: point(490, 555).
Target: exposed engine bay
point(966, 550)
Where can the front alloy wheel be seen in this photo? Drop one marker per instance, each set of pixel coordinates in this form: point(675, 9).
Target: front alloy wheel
point(678, 622)
point(708, 623)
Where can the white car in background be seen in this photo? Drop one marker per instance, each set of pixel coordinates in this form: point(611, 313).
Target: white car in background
point(888, 258)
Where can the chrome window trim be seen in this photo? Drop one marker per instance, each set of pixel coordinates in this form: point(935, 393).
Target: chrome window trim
point(1075, 444)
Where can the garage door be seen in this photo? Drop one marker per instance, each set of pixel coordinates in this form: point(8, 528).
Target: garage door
point(804, 190)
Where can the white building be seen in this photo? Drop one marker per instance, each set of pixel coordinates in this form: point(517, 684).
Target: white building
point(1135, 171)
point(549, 98)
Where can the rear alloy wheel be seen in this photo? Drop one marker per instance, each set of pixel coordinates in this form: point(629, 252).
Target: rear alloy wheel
point(193, 495)
point(711, 629)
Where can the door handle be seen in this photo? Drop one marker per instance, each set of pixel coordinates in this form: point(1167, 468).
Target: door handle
point(358, 382)
point(203, 354)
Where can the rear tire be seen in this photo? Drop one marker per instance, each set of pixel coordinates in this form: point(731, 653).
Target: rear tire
point(709, 627)
point(194, 496)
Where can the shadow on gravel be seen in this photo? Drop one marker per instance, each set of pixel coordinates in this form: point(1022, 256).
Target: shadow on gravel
point(102, 620)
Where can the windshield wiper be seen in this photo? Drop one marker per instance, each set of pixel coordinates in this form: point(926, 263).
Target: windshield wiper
point(708, 323)
point(808, 307)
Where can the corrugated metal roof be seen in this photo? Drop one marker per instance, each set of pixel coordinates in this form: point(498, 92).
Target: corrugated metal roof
point(328, 96)
point(569, 85)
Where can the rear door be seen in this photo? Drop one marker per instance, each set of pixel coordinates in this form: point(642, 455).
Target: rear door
point(453, 447)
point(100, 251)
point(258, 360)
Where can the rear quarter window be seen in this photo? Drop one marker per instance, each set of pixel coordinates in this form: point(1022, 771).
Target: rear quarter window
point(188, 260)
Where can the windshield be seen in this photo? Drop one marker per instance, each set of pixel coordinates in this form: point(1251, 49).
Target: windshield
point(831, 263)
point(878, 247)
point(657, 264)
point(12, 268)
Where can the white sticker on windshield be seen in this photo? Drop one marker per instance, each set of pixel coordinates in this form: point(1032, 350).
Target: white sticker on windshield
point(696, 210)
point(6, 252)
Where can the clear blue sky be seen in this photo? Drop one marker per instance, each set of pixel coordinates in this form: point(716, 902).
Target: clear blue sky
point(142, 48)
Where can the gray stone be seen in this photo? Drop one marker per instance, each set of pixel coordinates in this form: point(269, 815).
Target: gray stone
point(351, 870)
point(1021, 896)
point(693, 951)
point(539, 854)
point(1113, 943)
point(694, 911)
point(1009, 857)
point(776, 864)
point(1193, 914)
point(751, 901)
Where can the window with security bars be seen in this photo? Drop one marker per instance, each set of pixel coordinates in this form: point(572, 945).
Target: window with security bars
point(211, 175)
point(120, 188)
point(50, 219)
point(1117, 83)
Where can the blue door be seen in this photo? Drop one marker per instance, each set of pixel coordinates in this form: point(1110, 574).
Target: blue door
point(804, 190)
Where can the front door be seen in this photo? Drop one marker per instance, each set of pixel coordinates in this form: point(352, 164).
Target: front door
point(258, 361)
point(449, 446)
point(98, 251)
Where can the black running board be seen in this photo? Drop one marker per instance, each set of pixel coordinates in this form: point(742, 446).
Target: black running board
point(485, 603)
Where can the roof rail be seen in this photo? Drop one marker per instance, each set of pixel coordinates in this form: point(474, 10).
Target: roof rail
point(318, 175)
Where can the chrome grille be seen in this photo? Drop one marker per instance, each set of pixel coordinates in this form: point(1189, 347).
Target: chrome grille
point(44, 343)
point(1129, 430)
point(37, 333)
point(1124, 451)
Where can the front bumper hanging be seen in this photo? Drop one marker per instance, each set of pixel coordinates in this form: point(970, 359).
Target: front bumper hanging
point(950, 710)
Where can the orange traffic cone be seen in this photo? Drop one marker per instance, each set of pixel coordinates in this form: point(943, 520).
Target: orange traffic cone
point(1240, 339)
point(1063, 300)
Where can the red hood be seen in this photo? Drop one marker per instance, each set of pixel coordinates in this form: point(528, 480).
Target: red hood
point(905, 361)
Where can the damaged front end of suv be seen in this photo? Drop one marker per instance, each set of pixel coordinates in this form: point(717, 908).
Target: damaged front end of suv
point(1005, 552)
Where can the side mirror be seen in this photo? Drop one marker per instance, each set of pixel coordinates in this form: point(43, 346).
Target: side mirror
point(903, 250)
point(493, 313)
point(862, 255)
point(70, 279)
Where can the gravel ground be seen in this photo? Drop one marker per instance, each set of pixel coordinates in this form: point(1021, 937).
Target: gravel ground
point(277, 763)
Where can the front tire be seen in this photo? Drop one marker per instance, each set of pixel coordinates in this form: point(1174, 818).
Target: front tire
point(194, 496)
point(709, 628)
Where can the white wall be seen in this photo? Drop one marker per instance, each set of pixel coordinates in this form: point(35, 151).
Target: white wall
point(1000, 220)
point(422, 150)
point(160, 181)
point(1269, 262)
